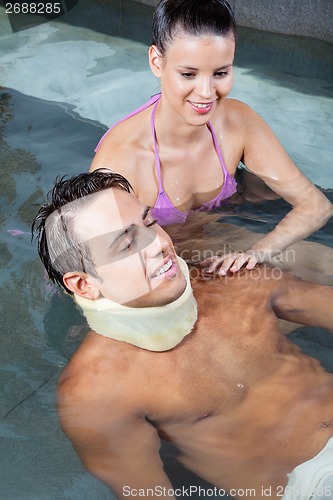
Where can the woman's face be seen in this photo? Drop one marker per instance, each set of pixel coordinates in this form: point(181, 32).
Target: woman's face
point(195, 72)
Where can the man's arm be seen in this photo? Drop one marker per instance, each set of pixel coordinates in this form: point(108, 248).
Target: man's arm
point(303, 302)
point(117, 446)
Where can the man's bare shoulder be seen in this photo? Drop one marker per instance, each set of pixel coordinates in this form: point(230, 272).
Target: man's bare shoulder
point(95, 395)
point(100, 413)
point(82, 383)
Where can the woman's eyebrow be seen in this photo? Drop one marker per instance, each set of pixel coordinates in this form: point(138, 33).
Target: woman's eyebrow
point(189, 68)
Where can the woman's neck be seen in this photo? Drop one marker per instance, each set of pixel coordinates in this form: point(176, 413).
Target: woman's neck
point(174, 130)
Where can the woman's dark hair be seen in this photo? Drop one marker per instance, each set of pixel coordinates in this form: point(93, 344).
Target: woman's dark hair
point(59, 247)
point(192, 17)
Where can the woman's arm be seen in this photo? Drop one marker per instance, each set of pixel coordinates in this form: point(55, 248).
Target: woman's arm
point(265, 157)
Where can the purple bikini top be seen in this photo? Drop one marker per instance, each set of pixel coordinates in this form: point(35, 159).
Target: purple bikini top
point(164, 211)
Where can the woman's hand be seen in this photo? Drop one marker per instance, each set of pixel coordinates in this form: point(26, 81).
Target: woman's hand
point(232, 262)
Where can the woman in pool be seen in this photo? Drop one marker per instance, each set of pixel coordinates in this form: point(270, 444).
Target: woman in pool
point(180, 151)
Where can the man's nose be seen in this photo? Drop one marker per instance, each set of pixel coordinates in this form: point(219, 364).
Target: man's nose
point(156, 246)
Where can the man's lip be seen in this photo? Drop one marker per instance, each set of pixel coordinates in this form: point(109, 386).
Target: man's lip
point(165, 261)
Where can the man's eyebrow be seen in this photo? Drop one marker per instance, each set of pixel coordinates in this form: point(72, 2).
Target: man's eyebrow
point(145, 212)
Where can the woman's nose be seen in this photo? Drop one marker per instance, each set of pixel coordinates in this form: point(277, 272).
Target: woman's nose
point(205, 87)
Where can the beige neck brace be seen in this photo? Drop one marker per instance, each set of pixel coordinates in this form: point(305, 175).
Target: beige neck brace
point(153, 328)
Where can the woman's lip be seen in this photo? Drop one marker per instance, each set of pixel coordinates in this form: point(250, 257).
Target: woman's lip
point(201, 107)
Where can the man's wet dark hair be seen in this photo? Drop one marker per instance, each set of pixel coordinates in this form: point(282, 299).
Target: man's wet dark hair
point(191, 17)
point(59, 247)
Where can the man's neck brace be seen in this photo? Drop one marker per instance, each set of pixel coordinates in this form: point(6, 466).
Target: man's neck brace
point(153, 328)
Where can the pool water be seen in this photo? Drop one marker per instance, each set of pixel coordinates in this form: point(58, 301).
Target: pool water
point(62, 84)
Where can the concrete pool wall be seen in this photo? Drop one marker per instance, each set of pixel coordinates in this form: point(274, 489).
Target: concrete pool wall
point(311, 18)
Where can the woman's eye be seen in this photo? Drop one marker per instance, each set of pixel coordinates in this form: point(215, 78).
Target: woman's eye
point(220, 74)
point(187, 75)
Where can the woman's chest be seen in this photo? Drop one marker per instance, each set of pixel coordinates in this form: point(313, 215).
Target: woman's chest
point(190, 174)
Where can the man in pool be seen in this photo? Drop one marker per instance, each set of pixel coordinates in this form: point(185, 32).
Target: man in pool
point(211, 373)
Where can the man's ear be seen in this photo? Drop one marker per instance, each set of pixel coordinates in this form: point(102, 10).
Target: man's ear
point(155, 60)
point(79, 284)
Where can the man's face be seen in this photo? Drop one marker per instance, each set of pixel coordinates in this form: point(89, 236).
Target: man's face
point(134, 258)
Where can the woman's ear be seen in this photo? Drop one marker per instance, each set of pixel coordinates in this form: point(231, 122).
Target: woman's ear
point(155, 60)
point(80, 284)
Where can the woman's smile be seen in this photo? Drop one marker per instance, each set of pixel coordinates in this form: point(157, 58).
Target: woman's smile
point(202, 108)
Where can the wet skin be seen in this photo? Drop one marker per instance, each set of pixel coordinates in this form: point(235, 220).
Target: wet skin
point(196, 76)
point(242, 404)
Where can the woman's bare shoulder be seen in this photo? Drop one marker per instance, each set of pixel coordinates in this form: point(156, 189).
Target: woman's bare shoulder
point(243, 121)
point(238, 110)
point(123, 145)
